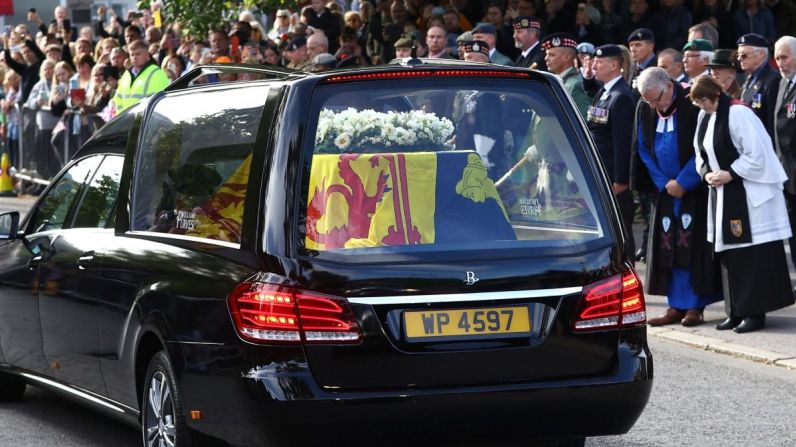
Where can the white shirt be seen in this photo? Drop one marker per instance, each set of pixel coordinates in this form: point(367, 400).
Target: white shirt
point(525, 53)
point(607, 86)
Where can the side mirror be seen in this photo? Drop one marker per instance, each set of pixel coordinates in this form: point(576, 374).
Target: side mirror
point(9, 225)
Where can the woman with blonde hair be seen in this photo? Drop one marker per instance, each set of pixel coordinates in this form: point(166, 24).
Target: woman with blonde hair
point(747, 216)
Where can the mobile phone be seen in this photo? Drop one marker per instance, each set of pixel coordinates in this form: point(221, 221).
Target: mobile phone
point(67, 25)
point(206, 52)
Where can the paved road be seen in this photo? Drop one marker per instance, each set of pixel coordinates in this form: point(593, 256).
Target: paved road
point(700, 398)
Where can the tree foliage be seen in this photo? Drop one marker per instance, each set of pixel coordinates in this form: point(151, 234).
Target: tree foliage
point(197, 17)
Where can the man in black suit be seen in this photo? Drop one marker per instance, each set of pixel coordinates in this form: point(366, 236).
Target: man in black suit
point(641, 44)
point(784, 124)
point(610, 119)
point(527, 34)
point(761, 79)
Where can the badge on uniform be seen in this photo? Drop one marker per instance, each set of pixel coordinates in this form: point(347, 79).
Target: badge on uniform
point(597, 115)
point(757, 102)
point(791, 109)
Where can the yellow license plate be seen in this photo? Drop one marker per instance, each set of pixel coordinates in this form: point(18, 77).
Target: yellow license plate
point(490, 321)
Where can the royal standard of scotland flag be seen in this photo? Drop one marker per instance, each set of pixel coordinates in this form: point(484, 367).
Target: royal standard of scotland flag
point(370, 200)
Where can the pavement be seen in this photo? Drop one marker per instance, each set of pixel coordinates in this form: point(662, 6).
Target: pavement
point(774, 345)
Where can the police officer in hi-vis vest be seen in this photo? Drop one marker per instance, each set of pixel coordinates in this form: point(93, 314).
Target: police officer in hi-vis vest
point(610, 120)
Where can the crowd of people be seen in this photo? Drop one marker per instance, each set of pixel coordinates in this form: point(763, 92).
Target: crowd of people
point(713, 106)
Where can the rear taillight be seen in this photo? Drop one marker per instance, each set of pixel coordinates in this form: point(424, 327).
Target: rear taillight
point(614, 302)
point(269, 313)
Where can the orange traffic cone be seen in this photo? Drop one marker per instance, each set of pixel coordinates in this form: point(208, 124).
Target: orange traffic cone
point(6, 183)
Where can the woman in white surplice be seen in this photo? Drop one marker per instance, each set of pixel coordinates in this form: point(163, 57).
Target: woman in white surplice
point(747, 217)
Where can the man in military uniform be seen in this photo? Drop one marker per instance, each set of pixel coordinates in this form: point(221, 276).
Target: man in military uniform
point(641, 44)
point(784, 124)
point(560, 56)
point(609, 120)
point(488, 33)
point(527, 33)
point(476, 51)
point(696, 57)
point(761, 79)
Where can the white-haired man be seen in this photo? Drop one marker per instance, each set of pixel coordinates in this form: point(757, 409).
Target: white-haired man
point(761, 79)
point(784, 124)
point(678, 260)
point(696, 57)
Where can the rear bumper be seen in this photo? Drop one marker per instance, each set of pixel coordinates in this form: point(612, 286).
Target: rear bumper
point(281, 405)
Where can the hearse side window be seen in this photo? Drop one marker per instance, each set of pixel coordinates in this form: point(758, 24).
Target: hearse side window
point(444, 165)
point(53, 210)
point(192, 168)
point(97, 204)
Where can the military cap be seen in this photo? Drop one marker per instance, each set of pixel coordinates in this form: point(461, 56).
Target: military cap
point(476, 46)
point(464, 37)
point(752, 40)
point(698, 45)
point(608, 51)
point(641, 34)
point(405, 41)
point(484, 28)
point(525, 22)
point(296, 43)
point(721, 59)
point(559, 40)
point(586, 48)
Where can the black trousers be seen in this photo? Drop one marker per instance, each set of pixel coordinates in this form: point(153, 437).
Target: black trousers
point(790, 200)
point(627, 210)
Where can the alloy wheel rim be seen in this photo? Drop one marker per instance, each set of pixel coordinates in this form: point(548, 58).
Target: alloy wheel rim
point(159, 428)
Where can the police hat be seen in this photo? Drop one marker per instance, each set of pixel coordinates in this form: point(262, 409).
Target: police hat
point(484, 28)
point(296, 43)
point(586, 48)
point(752, 40)
point(721, 59)
point(641, 34)
point(525, 22)
point(476, 46)
point(405, 41)
point(556, 40)
point(608, 51)
point(698, 45)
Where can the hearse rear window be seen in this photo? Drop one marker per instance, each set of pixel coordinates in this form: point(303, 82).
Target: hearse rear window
point(443, 164)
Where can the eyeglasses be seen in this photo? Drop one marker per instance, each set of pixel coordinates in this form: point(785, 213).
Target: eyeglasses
point(656, 100)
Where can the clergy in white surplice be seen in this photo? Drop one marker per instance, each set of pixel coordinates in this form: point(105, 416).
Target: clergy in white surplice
point(747, 216)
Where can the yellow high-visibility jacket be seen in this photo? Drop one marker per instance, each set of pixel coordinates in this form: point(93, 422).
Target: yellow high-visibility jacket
point(131, 90)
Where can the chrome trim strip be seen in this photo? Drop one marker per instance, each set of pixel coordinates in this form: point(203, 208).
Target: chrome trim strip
point(72, 391)
point(465, 297)
point(202, 240)
point(202, 343)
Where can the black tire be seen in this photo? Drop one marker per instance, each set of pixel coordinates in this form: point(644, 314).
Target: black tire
point(162, 415)
point(12, 387)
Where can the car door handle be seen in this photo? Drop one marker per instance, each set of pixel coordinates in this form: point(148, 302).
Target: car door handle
point(34, 262)
point(84, 261)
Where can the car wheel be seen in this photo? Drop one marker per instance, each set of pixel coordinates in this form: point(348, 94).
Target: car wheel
point(12, 387)
point(162, 417)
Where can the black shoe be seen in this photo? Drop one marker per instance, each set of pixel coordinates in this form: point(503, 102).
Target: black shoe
point(641, 253)
point(750, 324)
point(729, 323)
